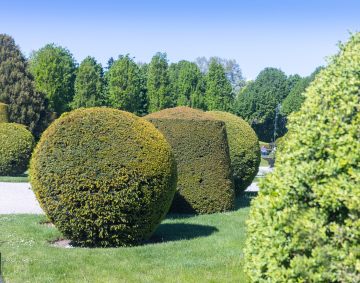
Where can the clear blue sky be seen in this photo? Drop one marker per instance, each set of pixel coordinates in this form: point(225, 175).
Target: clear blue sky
point(293, 35)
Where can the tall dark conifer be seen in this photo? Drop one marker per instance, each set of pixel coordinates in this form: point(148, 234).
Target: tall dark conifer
point(158, 83)
point(18, 89)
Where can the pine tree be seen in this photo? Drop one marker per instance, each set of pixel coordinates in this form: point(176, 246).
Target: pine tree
point(124, 84)
point(158, 83)
point(54, 69)
point(219, 94)
point(18, 89)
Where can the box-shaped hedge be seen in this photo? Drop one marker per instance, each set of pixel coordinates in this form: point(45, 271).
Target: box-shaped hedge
point(244, 150)
point(199, 143)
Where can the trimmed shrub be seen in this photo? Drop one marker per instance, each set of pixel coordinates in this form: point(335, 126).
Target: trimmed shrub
point(4, 115)
point(304, 226)
point(244, 150)
point(16, 145)
point(104, 177)
point(201, 150)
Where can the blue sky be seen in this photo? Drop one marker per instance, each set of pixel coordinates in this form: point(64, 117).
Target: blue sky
point(294, 36)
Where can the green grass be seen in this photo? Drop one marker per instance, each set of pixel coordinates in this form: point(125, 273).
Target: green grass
point(184, 248)
point(22, 178)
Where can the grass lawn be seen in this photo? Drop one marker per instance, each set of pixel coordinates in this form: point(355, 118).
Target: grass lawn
point(184, 248)
point(22, 178)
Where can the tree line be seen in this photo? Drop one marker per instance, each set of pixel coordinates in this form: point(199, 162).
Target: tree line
point(50, 82)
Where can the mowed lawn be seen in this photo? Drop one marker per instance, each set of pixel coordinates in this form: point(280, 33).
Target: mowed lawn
point(184, 248)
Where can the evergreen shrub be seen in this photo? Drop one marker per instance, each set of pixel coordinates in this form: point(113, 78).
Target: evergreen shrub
point(199, 142)
point(304, 226)
point(104, 177)
point(244, 150)
point(16, 146)
point(4, 115)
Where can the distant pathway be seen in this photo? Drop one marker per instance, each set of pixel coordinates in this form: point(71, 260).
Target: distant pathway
point(18, 198)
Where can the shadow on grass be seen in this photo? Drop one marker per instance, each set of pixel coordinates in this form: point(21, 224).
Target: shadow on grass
point(245, 199)
point(176, 232)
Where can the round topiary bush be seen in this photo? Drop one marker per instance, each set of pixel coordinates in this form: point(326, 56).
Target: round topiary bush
point(304, 226)
point(104, 177)
point(244, 149)
point(201, 150)
point(4, 115)
point(16, 146)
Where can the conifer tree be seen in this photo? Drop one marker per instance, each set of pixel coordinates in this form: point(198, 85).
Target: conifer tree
point(219, 94)
point(88, 84)
point(158, 83)
point(189, 89)
point(143, 98)
point(124, 84)
point(54, 69)
point(18, 89)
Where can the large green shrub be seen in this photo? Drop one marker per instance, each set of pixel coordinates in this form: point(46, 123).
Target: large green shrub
point(200, 146)
point(104, 177)
point(244, 150)
point(16, 145)
point(305, 224)
point(4, 115)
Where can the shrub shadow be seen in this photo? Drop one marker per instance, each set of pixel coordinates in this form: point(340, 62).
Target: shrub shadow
point(176, 232)
point(245, 199)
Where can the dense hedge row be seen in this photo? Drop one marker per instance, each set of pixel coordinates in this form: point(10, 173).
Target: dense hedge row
point(200, 146)
point(305, 224)
point(4, 117)
point(104, 177)
point(244, 150)
point(16, 145)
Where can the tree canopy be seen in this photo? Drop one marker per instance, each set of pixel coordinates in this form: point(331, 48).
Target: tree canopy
point(158, 89)
point(88, 84)
point(18, 89)
point(219, 94)
point(124, 84)
point(258, 101)
point(54, 68)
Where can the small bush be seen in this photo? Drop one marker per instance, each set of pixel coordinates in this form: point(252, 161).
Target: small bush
point(16, 146)
point(200, 146)
point(104, 177)
point(4, 115)
point(244, 150)
point(305, 224)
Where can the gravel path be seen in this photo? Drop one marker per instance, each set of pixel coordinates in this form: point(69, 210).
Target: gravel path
point(17, 198)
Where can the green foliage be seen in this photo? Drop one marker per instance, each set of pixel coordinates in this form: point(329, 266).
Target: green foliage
point(158, 89)
point(124, 84)
point(200, 146)
point(143, 98)
point(54, 69)
point(219, 94)
point(4, 116)
point(88, 84)
point(16, 145)
point(104, 177)
point(257, 103)
point(295, 98)
point(304, 226)
point(18, 89)
point(190, 90)
point(244, 150)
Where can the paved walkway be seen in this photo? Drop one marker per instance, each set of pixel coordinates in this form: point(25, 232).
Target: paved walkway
point(17, 198)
